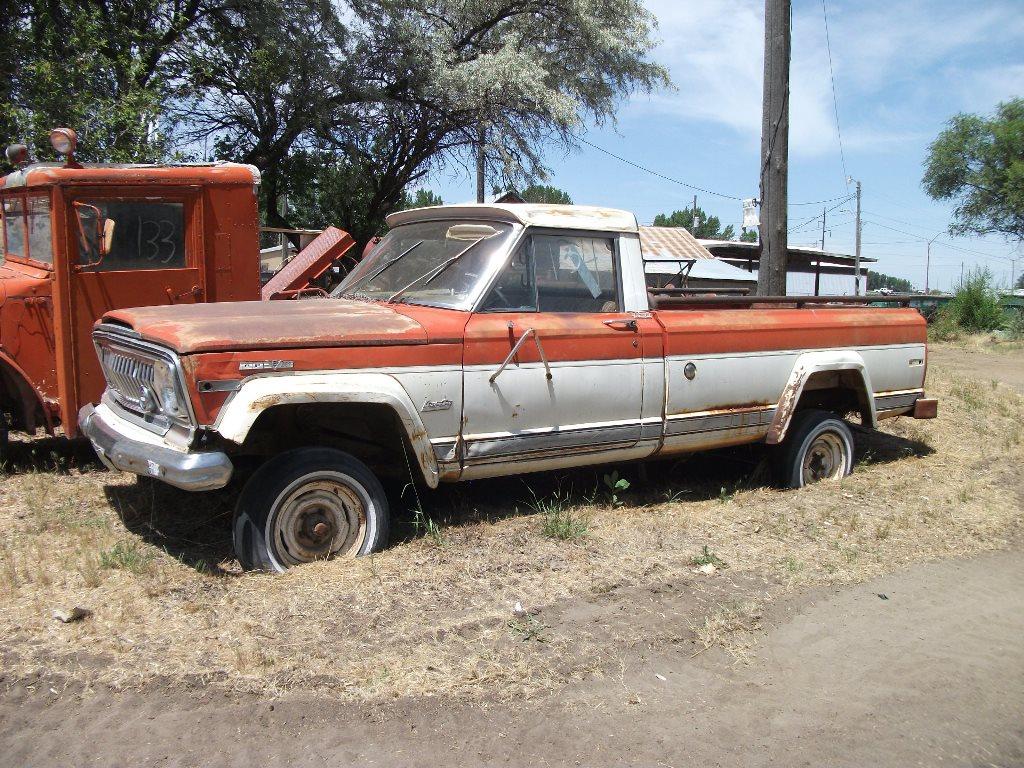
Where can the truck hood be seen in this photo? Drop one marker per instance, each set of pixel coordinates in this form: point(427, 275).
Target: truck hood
point(247, 325)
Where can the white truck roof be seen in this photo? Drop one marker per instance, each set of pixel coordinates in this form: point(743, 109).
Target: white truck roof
point(585, 217)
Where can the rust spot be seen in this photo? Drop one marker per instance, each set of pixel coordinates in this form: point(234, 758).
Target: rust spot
point(261, 404)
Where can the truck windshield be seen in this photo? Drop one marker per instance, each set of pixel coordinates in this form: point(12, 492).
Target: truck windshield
point(437, 263)
point(146, 234)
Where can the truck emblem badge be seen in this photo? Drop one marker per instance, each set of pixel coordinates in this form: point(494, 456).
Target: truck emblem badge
point(436, 405)
point(266, 365)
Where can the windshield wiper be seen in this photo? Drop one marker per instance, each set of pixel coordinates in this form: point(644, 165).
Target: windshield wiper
point(435, 271)
point(380, 271)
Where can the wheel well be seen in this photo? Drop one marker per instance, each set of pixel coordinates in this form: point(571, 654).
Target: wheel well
point(372, 432)
point(841, 392)
point(19, 401)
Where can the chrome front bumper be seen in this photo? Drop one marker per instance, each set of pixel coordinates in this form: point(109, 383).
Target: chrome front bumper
point(144, 455)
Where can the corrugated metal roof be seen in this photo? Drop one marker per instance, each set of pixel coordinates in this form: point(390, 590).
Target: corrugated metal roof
point(671, 243)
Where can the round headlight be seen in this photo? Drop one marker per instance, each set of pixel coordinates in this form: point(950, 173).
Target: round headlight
point(64, 140)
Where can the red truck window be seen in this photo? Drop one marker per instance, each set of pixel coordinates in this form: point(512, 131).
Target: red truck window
point(147, 235)
point(26, 228)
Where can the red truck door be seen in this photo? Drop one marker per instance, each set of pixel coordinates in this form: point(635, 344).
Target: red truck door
point(153, 256)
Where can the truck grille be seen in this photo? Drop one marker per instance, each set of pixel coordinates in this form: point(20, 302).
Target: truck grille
point(129, 378)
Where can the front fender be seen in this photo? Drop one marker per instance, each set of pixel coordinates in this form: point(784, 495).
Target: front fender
point(258, 394)
point(806, 366)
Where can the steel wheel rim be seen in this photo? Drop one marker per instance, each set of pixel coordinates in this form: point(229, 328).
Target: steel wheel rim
point(318, 517)
point(824, 459)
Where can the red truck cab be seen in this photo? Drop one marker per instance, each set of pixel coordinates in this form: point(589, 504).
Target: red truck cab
point(79, 240)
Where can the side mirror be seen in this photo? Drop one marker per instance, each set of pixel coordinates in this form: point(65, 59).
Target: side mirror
point(95, 235)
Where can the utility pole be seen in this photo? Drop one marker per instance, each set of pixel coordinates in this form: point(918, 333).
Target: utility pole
point(693, 221)
point(856, 258)
point(928, 264)
point(823, 212)
point(771, 272)
point(480, 142)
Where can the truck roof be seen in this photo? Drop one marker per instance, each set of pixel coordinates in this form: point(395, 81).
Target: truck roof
point(584, 217)
point(111, 174)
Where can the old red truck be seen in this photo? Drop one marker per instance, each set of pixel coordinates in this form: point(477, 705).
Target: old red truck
point(477, 341)
point(80, 240)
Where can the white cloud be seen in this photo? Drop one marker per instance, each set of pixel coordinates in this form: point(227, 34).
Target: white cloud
point(887, 57)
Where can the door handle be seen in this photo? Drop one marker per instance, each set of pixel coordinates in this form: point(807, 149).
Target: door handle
point(623, 325)
point(530, 332)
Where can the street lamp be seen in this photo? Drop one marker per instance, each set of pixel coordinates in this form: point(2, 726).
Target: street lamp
point(928, 261)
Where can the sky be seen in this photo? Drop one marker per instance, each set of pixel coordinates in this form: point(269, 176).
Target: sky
point(901, 70)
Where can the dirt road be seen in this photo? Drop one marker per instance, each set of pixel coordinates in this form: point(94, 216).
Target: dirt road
point(932, 673)
point(983, 365)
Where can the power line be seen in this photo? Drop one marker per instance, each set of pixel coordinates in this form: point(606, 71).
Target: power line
point(816, 218)
point(941, 242)
point(835, 99)
point(659, 175)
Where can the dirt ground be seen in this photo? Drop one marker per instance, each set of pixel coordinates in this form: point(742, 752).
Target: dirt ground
point(982, 364)
point(921, 667)
point(872, 622)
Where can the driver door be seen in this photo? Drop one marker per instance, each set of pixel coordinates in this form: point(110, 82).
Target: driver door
point(553, 366)
point(154, 258)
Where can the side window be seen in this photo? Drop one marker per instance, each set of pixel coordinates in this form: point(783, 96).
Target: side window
point(575, 274)
point(14, 226)
point(514, 291)
point(145, 234)
point(40, 242)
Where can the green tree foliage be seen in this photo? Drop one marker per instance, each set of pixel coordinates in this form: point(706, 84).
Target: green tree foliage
point(1019, 285)
point(974, 308)
point(979, 162)
point(707, 228)
point(396, 88)
point(539, 193)
point(877, 280)
point(748, 236)
point(102, 67)
point(421, 198)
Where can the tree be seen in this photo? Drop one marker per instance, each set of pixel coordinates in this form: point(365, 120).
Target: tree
point(538, 193)
point(749, 236)
point(102, 67)
point(421, 198)
point(877, 280)
point(1019, 285)
point(979, 162)
point(396, 88)
point(708, 227)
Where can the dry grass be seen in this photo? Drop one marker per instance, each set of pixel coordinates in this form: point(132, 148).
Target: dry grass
point(433, 614)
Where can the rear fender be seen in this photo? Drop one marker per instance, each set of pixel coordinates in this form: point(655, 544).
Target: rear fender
point(261, 393)
point(806, 366)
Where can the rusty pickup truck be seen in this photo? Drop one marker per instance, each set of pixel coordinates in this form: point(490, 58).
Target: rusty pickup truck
point(483, 340)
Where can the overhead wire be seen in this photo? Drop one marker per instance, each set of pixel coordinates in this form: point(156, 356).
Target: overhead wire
point(835, 98)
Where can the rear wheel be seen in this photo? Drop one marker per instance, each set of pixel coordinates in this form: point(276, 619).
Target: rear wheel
point(819, 447)
point(309, 504)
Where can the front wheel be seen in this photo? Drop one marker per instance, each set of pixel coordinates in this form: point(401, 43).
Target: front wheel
point(309, 504)
point(819, 447)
